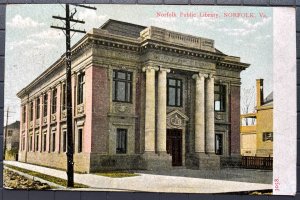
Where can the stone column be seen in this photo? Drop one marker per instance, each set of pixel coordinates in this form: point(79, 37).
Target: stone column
point(162, 111)
point(210, 118)
point(199, 113)
point(150, 109)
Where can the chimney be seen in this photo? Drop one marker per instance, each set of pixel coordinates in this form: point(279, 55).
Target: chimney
point(259, 92)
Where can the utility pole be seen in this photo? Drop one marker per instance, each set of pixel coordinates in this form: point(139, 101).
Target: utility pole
point(5, 134)
point(68, 19)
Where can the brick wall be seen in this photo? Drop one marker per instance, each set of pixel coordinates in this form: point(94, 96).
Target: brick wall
point(100, 109)
point(235, 120)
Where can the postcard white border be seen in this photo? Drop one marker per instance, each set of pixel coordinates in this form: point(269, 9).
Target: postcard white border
point(285, 104)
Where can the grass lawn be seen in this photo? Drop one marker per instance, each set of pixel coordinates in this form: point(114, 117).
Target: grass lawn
point(117, 174)
point(46, 177)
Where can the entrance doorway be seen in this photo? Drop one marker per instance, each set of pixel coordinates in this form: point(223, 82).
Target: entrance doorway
point(174, 146)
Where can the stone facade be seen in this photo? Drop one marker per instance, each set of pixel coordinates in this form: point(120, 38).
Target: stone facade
point(143, 98)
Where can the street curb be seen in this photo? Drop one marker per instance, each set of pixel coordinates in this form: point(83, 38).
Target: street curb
point(35, 178)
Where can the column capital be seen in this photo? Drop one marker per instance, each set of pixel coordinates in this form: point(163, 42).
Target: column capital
point(162, 69)
point(150, 68)
point(199, 75)
point(211, 75)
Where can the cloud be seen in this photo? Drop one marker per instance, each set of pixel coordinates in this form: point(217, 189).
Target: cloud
point(254, 26)
point(202, 22)
point(91, 15)
point(20, 22)
point(45, 46)
point(22, 43)
point(50, 34)
point(245, 27)
point(29, 44)
point(263, 37)
point(164, 22)
point(236, 31)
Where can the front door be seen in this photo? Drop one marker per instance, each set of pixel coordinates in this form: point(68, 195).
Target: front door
point(174, 146)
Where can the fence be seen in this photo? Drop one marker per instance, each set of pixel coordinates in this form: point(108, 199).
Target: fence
point(253, 162)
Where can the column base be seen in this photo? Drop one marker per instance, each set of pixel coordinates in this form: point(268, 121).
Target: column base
point(204, 161)
point(153, 161)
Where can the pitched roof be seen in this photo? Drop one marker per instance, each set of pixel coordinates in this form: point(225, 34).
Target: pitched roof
point(269, 98)
point(16, 124)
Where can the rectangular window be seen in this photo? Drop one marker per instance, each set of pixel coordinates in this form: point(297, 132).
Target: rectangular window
point(45, 104)
point(44, 142)
point(30, 146)
point(37, 108)
point(80, 144)
point(23, 142)
point(31, 111)
point(121, 143)
point(24, 114)
point(267, 136)
point(64, 141)
point(54, 100)
point(37, 137)
point(220, 98)
point(9, 133)
point(174, 91)
point(64, 97)
point(80, 88)
point(122, 86)
point(219, 144)
point(53, 141)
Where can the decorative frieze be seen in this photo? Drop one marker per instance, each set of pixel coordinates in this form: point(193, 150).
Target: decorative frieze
point(53, 117)
point(37, 123)
point(31, 124)
point(220, 116)
point(45, 120)
point(64, 114)
point(80, 109)
point(176, 119)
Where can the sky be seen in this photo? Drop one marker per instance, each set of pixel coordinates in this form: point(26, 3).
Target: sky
point(32, 46)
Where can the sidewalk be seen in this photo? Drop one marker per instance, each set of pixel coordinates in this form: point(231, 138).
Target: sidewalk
point(150, 182)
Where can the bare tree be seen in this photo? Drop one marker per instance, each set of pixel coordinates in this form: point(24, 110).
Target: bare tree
point(248, 102)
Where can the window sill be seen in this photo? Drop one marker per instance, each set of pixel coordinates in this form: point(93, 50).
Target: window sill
point(127, 102)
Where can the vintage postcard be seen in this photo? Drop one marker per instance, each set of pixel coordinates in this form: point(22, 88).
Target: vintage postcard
point(185, 99)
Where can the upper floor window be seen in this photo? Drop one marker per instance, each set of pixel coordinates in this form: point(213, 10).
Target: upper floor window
point(31, 111)
point(122, 86)
point(267, 136)
point(174, 91)
point(24, 114)
point(80, 91)
point(54, 100)
point(37, 108)
point(45, 104)
point(64, 97)
point(220, 98)
point(9, 133)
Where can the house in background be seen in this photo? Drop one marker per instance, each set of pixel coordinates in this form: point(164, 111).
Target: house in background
point(257, 139)
point(12, 134)
point(143, 98)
